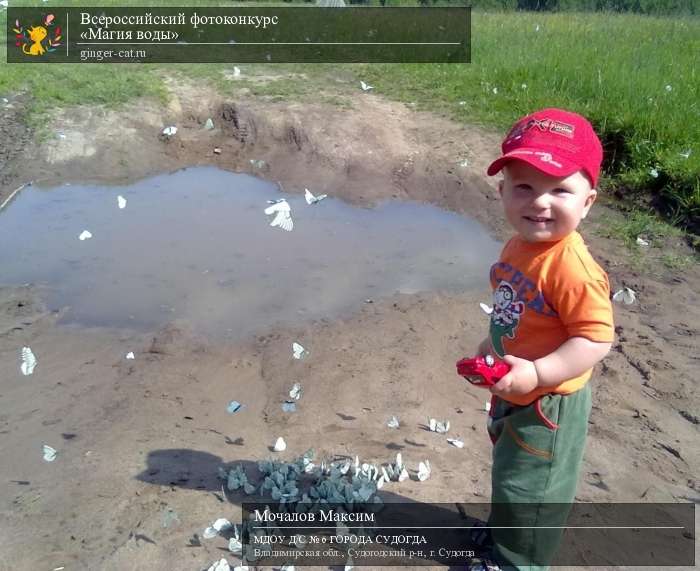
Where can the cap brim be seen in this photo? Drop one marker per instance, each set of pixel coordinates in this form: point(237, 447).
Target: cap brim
point(555, 165)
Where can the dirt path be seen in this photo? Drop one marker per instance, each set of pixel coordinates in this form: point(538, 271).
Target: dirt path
point(142, 440)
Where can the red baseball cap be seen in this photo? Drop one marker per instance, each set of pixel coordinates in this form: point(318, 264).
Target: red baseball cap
point(556, 142)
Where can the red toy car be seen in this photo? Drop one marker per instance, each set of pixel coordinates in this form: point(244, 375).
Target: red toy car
point(483, 371)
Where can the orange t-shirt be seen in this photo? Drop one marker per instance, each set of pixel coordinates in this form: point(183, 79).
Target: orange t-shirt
point(543, 294)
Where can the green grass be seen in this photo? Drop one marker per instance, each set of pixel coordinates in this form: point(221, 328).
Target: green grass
point(613, 68)
point(677, 262)
point(636, 224)
point(666, 242)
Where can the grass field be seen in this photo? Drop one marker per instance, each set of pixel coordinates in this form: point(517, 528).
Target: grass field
point(635, 77)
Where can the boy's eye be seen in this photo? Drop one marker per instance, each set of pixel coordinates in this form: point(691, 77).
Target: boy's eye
point(562, 191)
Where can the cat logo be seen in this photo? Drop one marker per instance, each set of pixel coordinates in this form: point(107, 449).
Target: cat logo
point(31, 40)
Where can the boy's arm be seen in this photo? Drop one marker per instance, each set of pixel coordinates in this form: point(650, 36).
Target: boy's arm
point(572, 358)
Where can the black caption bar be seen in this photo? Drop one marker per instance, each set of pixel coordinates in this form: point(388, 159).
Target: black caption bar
point(371, 534)
point(246, 35)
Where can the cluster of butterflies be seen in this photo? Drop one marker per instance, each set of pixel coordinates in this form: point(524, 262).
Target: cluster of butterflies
point(343, 482)
point(338, 481)
point(283, 212)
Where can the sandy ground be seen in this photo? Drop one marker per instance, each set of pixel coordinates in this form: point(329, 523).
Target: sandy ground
point(138, 440)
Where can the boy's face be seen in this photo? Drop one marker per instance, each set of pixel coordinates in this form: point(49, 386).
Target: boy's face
point(543, 208)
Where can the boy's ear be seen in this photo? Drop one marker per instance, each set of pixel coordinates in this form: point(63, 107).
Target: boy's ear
point(590, 199)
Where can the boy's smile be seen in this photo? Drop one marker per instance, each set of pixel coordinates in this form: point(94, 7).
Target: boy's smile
point(542, 208)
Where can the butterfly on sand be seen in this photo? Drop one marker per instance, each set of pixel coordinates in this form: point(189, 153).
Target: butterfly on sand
point(296, 391)
point(487, 309)
point(423, 471)
point(439, 427)
point(625, 295)
point(49, 453)
point(298, 352)
point(28, 361)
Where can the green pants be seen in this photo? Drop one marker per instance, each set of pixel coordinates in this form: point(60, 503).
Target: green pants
point(537, 455)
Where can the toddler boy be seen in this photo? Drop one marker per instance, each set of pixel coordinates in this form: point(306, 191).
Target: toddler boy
point(551, 322)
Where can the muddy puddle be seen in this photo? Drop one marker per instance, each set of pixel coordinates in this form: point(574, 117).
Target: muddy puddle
point(197, 245)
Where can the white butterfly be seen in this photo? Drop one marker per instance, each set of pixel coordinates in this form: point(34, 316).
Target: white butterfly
point(296, 391)
point(169, 131)
point(49, 453)
point(487, 309)
point(236, 71)
point(283, 215)
point(130, 355)
point(222, 524)
point(423, 471)
point(219, 526)
point(85, 235)
point(280, 445)
point(298, 352)
point(235, 546)
point(28, 361)
point(456, 442)
point(311, 199)
point(685, 154)
point(220, 565)
point(626, 295)
point(121, 202)
point(642, 242)
point(439, 427)
point(365, 86)
point(209, 533)
point(393, 422)
point(234, 406)
point(403, 475)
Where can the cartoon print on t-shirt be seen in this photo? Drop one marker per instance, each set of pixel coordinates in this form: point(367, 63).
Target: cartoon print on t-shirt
point(505, 317)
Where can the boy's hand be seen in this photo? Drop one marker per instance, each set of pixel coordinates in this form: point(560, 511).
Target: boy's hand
point(520, 380)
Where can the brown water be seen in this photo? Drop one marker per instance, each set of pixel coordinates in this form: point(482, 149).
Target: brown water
point(196, 245)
